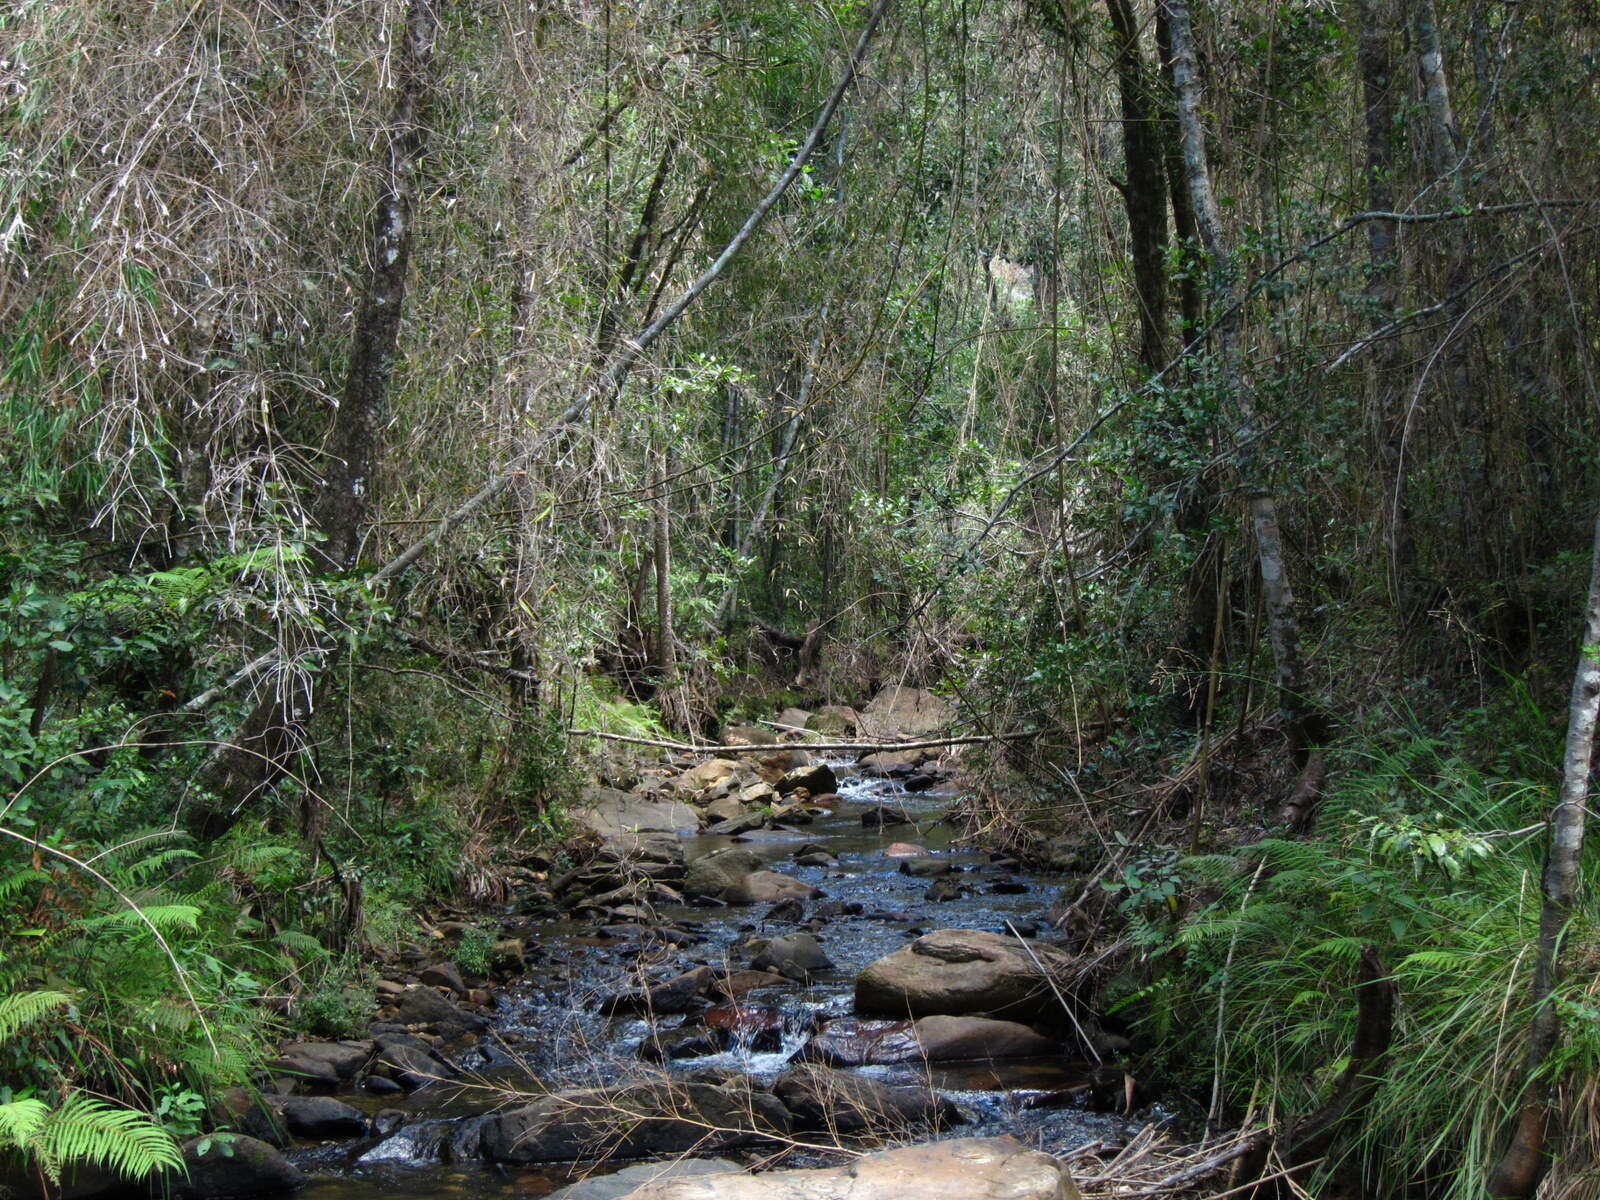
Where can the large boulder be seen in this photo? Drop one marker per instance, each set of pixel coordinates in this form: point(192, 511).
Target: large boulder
point(616, 1184)
point(816, 778)
point(632, 1122)
point(833, 720)
point(966, 972)
point(319, 1118)
point(707, 774)
point(959, 1169)
point(899, 711)
point(856, 1043)
point(842, 1102)
point(774, 766)
point(797, 956)
point(227, 1165)
point(344, 1059)
point(712, 875)
point(610, 813)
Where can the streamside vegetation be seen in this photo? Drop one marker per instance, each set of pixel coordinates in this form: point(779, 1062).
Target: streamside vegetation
point(1200, 394)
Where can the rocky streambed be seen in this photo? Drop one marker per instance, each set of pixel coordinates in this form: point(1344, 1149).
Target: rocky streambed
point(727, 985)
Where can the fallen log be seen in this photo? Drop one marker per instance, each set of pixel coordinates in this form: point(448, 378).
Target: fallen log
point(840, 747)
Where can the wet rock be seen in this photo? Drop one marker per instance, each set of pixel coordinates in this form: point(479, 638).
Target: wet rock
point(797, 956)
point(688, 1041)
point(881, 815)
point(944, 890)
point(926, 868)
point(321, 1118)
point(857, 1042)
point(304, 1072)
point(737, 984)
point(831, 909)
point(758, 794)
point(379, 1085)
point(822, 1098)
point(224, 1166)
point(813, 858)
point(676, 995)
point(411, 1063)
point(774, 766)
point(899, 711)
point(904, 850)
point(660, 1117)
point(608, 812)
point(816, 778)
point(919, 782)
point(759, 1030)
point(445, 975)
point(617, 1184)
point(703, 775)
point(964, 972)
point(422, 1005)
point(959, 1169)
point(786, 912)
point(1007, 887)
point(736, 825)
point(509, 956)
point(851, 1042)
point(827, 801)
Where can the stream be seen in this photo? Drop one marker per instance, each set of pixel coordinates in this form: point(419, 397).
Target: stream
point(548, 1034)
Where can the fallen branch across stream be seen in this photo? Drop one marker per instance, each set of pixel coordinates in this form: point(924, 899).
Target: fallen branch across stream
point(859, 747)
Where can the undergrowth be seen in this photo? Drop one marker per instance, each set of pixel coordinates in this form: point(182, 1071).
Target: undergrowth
point(1428, 848)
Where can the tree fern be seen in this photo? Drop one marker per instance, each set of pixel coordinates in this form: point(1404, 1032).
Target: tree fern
point(85, 1129)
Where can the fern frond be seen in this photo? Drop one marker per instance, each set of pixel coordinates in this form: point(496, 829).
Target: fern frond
point(86, 1129)
point(24, 1008)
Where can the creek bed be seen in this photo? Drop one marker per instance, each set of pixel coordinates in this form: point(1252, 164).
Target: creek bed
point(547, 1034)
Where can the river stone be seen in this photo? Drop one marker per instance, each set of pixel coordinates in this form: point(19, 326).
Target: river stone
point(676, 995)
point(793, 718)
point(749, 735)
point(842, 1102)
point(243, 1167)
point(445, 975)
point(894, 764)
point(797, 956)
point(944, 890)
point(723, 808)
point(345, 1058)
point(833, 720)
point(621, 1183)
point(687, 1041)
point(423, 1005)
point(774, 766)
point(926, 868)
point(411, 1066)
point(660, 1117)
point(713, 875)
point(964, 972)
point(960, 1169)
point(848, 1042)
point(817, 779)
point(765, 887)
point(320, 1117)
point(899, 711)
point(881, 815)
point(608, 812)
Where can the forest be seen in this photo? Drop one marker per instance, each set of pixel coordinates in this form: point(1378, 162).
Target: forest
point(791, 599)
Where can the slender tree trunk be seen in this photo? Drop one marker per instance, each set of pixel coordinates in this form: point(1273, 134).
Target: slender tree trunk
point(1443, 139)
point(666, 655)
point(274, 732)
point(347, 492)
point(1518, 1173)
point(1144, 192)
point(1190, 298)
point(1283, 630)
point(1375, 58)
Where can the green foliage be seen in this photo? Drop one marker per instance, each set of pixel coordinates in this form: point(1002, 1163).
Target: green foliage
point(1428, 849)
point(472, 951)
point(85, 1129)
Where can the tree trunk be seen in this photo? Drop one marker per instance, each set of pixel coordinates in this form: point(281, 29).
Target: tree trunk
point(1283, 630)
point(1518, 1173)
point(1190, 299)
point(1442, 139)
point(666, 655)
point(1144, 192)
point(273, 733)
point(347, 490)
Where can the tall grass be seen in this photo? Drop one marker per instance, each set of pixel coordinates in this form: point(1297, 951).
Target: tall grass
point(1428, 848)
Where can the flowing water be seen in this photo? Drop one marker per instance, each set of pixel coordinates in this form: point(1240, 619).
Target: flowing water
point(547, 1033)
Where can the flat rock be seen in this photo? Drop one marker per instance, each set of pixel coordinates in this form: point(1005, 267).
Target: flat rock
point(959, 1169)
point(621, 1183)
point(608, 812)
point(965, 972)
point(765, 887)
